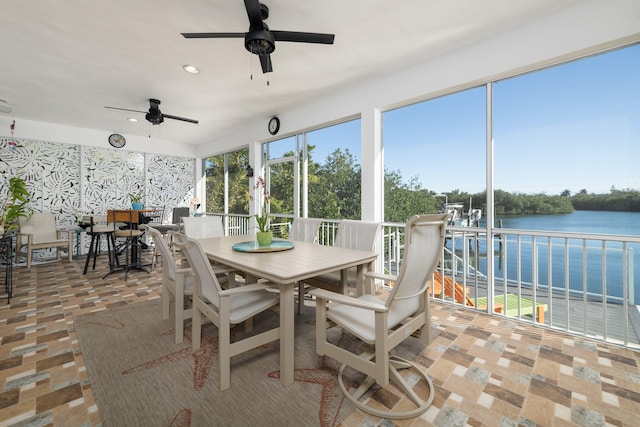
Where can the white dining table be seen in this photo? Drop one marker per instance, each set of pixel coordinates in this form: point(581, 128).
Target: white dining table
point(285, 269)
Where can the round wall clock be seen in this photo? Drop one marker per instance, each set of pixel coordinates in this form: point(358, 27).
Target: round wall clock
point(274, 125)
point(117, 140)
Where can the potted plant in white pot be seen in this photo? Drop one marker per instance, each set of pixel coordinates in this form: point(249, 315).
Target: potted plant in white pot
point(15, 205)
point(264, 235)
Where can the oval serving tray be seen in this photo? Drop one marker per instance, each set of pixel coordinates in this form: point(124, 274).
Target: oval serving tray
point(275, 246)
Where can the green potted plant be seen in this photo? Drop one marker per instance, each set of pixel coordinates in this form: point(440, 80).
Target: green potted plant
point(136, 201)
point(15, 205)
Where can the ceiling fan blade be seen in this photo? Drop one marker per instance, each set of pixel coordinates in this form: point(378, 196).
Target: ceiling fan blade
point(253, 11)
point(212, 35)
point(295, 36)
point(168, 116)
point(265, 61)
point(124, 109)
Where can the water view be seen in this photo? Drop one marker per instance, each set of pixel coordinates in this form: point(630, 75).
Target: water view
point(598, 222)
point(567, 256)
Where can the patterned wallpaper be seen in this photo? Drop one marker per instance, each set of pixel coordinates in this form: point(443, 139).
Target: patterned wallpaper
point(72, 180)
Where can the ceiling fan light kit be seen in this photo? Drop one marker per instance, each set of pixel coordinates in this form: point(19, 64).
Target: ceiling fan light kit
point(260, 40)
point(154, 115)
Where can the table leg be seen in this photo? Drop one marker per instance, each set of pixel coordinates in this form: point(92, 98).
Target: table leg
point(364, 285)
point(287, 336)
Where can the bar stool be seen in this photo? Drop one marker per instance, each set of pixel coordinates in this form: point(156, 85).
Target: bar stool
point(98, 229)
point(131, 245)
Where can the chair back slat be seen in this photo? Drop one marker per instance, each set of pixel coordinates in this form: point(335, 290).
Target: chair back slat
point(178, 214)
point(127, 216)
point(305, 229)
point(207, 285)
point(169, 263)
point(359, 235)
point(424, 240)
point(201, 227)
point(154, 217)
point(41, 225)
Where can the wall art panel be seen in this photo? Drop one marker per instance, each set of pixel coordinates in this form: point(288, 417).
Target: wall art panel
point(73, 180)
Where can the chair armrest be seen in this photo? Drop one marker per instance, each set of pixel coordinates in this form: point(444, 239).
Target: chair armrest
point(242, 289)
point(26, 236)
point(385, 277)
point(345, 299)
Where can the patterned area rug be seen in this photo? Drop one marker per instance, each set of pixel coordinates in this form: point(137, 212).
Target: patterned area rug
point(141, 377)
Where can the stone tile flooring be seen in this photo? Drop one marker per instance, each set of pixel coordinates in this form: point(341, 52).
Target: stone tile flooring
point(486, 370)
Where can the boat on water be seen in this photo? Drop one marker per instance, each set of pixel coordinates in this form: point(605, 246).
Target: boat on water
point(461, 219)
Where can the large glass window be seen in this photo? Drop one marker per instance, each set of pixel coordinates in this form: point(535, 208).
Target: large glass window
point(227, 186)
point(326, 182)
point(434, 156)
point(568, 137)
point(334, 171)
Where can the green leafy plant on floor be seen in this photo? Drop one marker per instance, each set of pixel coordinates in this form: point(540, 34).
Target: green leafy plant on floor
point(15, 205)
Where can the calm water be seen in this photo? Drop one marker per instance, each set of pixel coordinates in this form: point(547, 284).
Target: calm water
point(622, 223)
point(596, 222)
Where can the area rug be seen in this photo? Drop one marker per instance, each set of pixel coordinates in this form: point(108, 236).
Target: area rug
point(140, 377)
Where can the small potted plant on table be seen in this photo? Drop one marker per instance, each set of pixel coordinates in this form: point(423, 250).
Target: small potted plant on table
point(264, 235)
point(136, 201)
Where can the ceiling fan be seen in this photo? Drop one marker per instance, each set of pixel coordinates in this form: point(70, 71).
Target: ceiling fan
point(259, 40)
point(154, 115)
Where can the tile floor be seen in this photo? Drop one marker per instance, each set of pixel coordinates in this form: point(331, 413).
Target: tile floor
point(487, 371)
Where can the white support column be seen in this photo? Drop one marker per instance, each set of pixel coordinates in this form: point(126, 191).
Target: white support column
point(490, 199)
point(200, 187)
point(372, 166)
point(255, 156)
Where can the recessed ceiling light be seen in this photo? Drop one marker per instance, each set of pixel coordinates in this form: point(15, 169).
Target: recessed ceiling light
point(131, 119)
point(5, 107)
point(190, 69)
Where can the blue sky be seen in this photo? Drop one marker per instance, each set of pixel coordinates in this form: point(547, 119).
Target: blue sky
point(574, 126)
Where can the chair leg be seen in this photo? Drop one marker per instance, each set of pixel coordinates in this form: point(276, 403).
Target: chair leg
point(86, 263)
point(224, 351)
point(166, 295)
point(300, 296)
point(196, 327)
point(395, 363)
point(179, 310)
point(96, 249)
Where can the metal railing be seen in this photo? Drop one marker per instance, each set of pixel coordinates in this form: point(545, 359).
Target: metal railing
point(583, 284)
point(579, 283)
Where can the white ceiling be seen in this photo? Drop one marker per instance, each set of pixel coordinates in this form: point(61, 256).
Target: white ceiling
point(62, 61)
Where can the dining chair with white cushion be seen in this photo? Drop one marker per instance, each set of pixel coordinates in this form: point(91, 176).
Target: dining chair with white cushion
point(39, 231)
point(382, 324)
point(225, 307)
point(176, 282)
point(351, 234)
